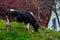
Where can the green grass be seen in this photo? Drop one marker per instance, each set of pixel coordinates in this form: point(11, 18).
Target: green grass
point(17, 33)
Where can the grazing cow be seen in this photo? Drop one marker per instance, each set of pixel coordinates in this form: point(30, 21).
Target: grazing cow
point(22, 16)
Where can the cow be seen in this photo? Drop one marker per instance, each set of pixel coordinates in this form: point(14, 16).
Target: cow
point(22, 16)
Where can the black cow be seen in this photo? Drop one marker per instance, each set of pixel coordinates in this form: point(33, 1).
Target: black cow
point(22, 16)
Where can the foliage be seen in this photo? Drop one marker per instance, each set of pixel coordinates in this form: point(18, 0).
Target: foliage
point(17, 33)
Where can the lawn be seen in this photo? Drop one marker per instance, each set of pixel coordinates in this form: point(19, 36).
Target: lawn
point(17, 33)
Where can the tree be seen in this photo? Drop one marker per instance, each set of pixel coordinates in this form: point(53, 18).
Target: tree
point(55, 9)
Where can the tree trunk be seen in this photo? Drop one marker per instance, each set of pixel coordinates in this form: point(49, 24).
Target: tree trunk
point(56, 12)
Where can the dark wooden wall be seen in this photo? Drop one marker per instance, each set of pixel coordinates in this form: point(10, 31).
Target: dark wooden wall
point(43, 7)
point(45, 10)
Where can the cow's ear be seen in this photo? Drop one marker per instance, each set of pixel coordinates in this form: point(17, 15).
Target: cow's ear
point(15, 18)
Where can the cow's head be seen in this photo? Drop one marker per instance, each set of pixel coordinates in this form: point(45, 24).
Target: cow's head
point(36, 26)
point(11, 14)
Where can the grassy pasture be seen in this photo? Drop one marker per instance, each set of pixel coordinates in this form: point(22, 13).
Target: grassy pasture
point(17, 33)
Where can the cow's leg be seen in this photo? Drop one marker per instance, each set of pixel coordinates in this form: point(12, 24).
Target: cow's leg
point(26, 27)
point(8, 26)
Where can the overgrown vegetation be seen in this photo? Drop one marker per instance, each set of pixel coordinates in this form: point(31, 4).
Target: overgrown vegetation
point(17, 33)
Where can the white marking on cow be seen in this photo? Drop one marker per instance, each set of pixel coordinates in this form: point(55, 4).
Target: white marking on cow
point(26, 26)
point(7, 23)
point(12, 9)
point(31, 13)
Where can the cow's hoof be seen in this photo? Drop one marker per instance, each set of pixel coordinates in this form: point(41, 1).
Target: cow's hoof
point(32, 31)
